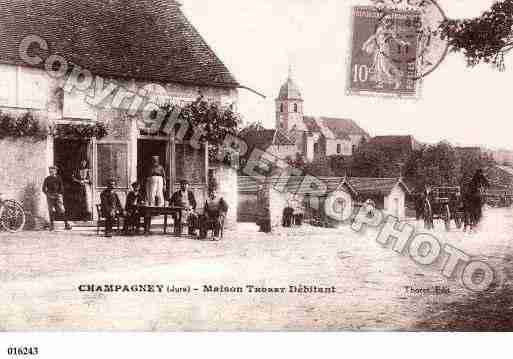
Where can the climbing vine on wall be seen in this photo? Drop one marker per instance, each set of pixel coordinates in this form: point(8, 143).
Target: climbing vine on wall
point(213, 121)
point(24, 126)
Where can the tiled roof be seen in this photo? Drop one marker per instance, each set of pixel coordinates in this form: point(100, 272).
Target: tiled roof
point(393, 142)
point(145, 39)
point(263, 139)
point(299, 185)
point(341, 128)
point(376, 186)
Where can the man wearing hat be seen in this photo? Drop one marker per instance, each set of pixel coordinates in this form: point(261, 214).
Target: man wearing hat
point(185, 198)
point(110, 206)
point(53, 188)
point(155, 183)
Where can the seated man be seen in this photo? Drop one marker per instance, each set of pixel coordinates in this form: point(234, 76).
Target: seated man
point(215, 213)
point(110, 207)
point(185, 198)
point(133, 217)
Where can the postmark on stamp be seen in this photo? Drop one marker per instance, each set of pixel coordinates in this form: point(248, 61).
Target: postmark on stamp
point(384, 52)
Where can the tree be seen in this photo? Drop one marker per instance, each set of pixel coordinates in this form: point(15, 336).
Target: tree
point(486, 38)
point(373, 162)
point(320, 168)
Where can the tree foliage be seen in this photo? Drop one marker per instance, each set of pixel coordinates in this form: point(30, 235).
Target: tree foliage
point(373, 162)
point(483, 39)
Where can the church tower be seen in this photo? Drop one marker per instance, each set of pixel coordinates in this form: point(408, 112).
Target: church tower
point(289, 106)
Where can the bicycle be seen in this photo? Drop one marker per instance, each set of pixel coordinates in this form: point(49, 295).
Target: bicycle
point(12, 215)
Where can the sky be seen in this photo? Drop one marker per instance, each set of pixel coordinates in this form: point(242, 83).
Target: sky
point(258, 40)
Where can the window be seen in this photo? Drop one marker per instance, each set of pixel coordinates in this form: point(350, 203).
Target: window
point(353, 149)
point(281, 108)
point(339, 148)
point(295, 107)
point(316, 148)
point(113, 164)
point(23, 87)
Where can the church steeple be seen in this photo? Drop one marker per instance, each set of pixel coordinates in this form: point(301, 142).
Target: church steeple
point(289, 105)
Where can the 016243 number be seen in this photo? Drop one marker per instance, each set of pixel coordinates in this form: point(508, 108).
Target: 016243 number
point(22, 351)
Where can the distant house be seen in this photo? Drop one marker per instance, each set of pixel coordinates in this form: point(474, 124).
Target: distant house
point(389, 194)
point(315, 137)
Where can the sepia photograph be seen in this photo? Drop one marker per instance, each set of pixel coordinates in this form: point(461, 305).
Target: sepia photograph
point(255, 166)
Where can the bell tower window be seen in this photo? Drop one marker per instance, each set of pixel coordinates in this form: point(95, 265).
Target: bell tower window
point(295, 107)
point(281, 108)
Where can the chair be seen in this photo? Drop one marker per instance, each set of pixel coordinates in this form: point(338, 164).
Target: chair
point(101, 220)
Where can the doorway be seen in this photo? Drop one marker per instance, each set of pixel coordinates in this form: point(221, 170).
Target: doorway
point(68, 155)
point(146, 149)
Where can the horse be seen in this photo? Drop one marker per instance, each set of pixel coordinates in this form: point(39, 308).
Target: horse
point(473, 200)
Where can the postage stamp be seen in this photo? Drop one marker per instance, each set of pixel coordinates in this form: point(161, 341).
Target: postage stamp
point(384, 52)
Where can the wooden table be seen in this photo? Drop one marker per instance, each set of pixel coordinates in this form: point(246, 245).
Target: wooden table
point(148, 212)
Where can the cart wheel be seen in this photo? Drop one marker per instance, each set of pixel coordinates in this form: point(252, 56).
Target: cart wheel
point(12, 216)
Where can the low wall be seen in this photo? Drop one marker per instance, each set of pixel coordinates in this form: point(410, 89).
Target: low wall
point(23, 168)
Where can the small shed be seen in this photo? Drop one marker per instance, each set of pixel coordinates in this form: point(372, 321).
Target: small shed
point(389, 194)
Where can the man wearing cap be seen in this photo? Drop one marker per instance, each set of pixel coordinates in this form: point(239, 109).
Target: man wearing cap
point(155, 183)
point(185, 198)
point(110, 206)
point(53, 188)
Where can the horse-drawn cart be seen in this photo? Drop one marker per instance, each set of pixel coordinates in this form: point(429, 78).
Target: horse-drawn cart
point(444, 204)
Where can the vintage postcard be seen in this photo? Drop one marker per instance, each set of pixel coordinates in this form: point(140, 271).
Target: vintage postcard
point(198, 166)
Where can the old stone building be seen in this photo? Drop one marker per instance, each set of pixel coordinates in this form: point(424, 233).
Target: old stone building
point(74, 65)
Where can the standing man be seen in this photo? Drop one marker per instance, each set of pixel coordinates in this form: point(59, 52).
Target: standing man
point(155, 183)
point(185, 198)
point(110, 206)
point(54, 191)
